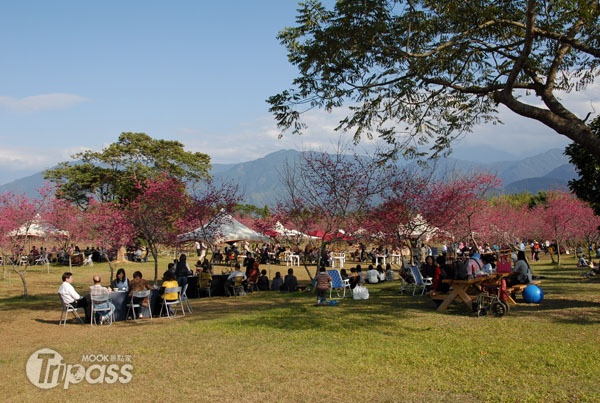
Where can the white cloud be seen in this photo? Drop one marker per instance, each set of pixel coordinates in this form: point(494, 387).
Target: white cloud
point(41, 102)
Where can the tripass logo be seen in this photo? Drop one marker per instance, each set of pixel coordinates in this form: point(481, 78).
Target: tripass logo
point(47, 369)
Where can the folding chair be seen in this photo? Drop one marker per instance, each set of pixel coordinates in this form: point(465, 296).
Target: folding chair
point(167, 304)
point(238, 285)
point(337, 283)
point(420, 281)
point(204, 285)
point(101, 304)
point(136, 302)
point(184, 298)
point(66, 308)
point(88, 261)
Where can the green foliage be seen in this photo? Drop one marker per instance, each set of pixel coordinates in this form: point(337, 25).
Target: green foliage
point(417, 73)
point(587, 165)
point(252, 210)
point(111, 175)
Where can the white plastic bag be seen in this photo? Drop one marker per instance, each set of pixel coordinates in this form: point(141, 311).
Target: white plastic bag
point(360, 292)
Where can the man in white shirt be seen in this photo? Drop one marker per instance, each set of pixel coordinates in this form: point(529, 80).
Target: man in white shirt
point(70, 296)
point(237, 272)
point(372, 275)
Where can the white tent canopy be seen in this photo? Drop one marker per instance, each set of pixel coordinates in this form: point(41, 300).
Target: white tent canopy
point(283, 231)
point(225, 229)
point(37, 229)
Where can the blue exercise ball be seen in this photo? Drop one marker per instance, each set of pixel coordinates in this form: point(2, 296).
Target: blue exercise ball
point(532, 294)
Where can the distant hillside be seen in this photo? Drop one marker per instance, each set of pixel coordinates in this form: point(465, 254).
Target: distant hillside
point(260, 179)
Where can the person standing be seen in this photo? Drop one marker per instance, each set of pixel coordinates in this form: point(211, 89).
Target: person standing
point(322, 284)
point(182, 271)
point(198, 248)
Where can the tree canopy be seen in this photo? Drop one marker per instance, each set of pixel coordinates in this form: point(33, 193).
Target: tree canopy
point(420, 73)
point(115, 173)
point(587, 186)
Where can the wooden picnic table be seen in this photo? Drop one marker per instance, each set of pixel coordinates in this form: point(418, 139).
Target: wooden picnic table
point(459, 290)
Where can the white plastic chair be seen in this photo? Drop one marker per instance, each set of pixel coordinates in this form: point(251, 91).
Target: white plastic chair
point(88, 261)
point(420, 281)
point(43, 259)
point(167, 304)
point(66, 308)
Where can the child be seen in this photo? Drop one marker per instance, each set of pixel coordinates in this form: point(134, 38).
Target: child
point(322, 282)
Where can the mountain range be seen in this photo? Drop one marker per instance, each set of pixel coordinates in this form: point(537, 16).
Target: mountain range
point(261, 184)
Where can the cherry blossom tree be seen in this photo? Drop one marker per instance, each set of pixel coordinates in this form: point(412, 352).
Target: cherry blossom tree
point(328, 192)
point(503, 222)
point(70, 223)
point(109, 228)
point(416, 206)
point(557, 217)
point(158, 213)
point(18, 214)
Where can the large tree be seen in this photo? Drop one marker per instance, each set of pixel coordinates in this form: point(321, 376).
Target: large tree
point(418, 72)
point(114, 173)
point(587, 165)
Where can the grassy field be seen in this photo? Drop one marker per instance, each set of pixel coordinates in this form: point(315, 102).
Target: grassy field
point(280, 347)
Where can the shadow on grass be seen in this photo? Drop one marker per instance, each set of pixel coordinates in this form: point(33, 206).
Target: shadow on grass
point(296, 311)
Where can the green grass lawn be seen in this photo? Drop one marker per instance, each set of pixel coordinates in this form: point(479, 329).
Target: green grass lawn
point(280, 347)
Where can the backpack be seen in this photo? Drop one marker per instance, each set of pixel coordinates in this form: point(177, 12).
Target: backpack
point(461, 268)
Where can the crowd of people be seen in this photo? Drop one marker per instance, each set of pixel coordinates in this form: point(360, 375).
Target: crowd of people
point(438, 267)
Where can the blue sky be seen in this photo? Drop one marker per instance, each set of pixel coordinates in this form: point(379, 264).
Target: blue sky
point(75, 74)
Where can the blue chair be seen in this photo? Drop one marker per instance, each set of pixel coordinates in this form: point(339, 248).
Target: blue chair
point(420, 281)
point(337, 283)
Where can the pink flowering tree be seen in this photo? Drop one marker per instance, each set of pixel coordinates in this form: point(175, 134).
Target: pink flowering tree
point(18, 215)
point(69, 225)
point(109, 228)
point(587, 225)
point(557, 217)
point(503, 222)
point(158, 213)
point(328, 192)
point(417, 206)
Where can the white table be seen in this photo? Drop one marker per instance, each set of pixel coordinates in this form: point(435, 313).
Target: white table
point(379, 258)
point(291, 259)
point(338, 257)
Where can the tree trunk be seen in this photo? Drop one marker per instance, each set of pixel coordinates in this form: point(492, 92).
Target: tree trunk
point(22, 275)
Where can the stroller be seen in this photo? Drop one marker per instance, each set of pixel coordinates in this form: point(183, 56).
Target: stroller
point(492, 299)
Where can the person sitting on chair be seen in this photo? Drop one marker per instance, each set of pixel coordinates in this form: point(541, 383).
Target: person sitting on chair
point(169, 281)
point(139, 284)
point(96, 292)
point(120, 283)
point(204, 278)
point(230, 282)
point(70, 296)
